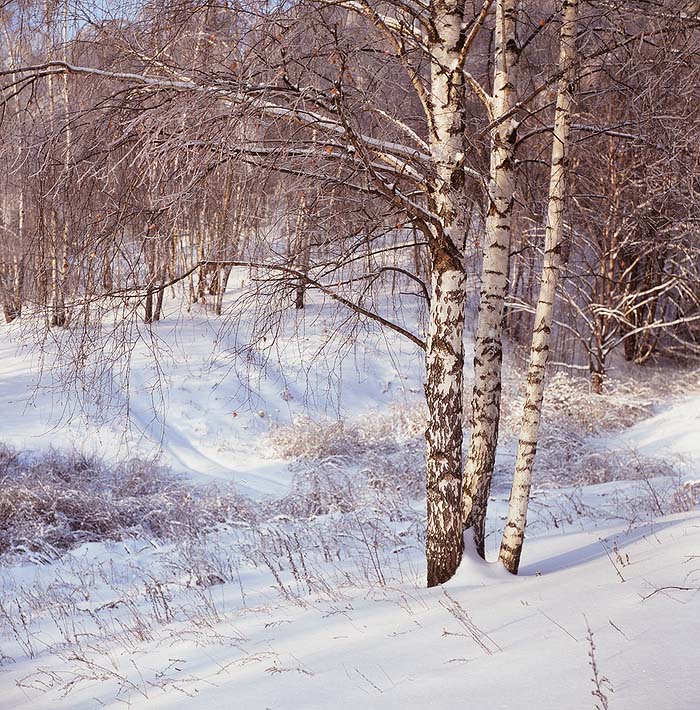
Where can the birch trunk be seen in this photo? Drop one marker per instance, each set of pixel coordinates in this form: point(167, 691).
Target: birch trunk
point(67, 167)
point(514, 533)
point(301, 252)
point(14, 297)
point(59, 258)
point(443, 392)
point(56, 307)
point(488, 350)
point(445, 342)
point(227, 239)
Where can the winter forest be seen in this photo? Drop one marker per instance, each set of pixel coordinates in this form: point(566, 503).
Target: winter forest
point(349, 354)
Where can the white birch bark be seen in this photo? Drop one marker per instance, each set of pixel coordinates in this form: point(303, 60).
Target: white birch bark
point(59, 243)
point(301, 252)
point(53, 240)
point(486, 397)
point(445, 342)
point(12, 301)
point(514, 533)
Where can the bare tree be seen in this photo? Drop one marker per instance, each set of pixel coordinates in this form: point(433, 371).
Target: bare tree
point(514, 533)
point(488, 346)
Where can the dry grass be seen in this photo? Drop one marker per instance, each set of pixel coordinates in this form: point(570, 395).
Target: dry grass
point(571, 406)
point(352, 520)
point(52, 502)
point(370, 470)
point(373, 465)
point(568, 452)
point(377, 432)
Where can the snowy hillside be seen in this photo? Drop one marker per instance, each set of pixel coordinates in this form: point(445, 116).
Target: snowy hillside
point(199, 404)
point(675, 430)
point(350, 355)
point(313, 596)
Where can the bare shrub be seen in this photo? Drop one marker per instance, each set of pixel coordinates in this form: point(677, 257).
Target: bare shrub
point(568, 452)
point(570, 405)
point(384, 486)
point(686, 497)
point(652, 496)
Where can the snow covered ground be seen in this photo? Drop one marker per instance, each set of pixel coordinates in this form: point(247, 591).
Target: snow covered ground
point(198, 404)
point(287, 610)
point(113, 625)
point(673, 431)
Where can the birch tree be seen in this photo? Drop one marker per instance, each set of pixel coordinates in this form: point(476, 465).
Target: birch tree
point(514, 533)
point(631, 281)
point(397, 121)
point(488, 347)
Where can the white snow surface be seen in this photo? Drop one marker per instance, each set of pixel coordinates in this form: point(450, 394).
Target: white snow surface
point(133, 624)
point(484, 640)
point(198, 405)
point(673, 431)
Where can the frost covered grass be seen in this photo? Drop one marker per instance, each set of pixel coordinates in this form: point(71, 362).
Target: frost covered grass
point(376, 431)
point(342, 464)
point(375, 464)
point(294, 617)
point(148, 576)
point(570, 404)
point(55, 501)
point(301, 599)
point(368, 469)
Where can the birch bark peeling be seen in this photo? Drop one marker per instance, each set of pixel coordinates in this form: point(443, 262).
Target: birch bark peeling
point(488, 350)
point(514, 533)
point(445, 342)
